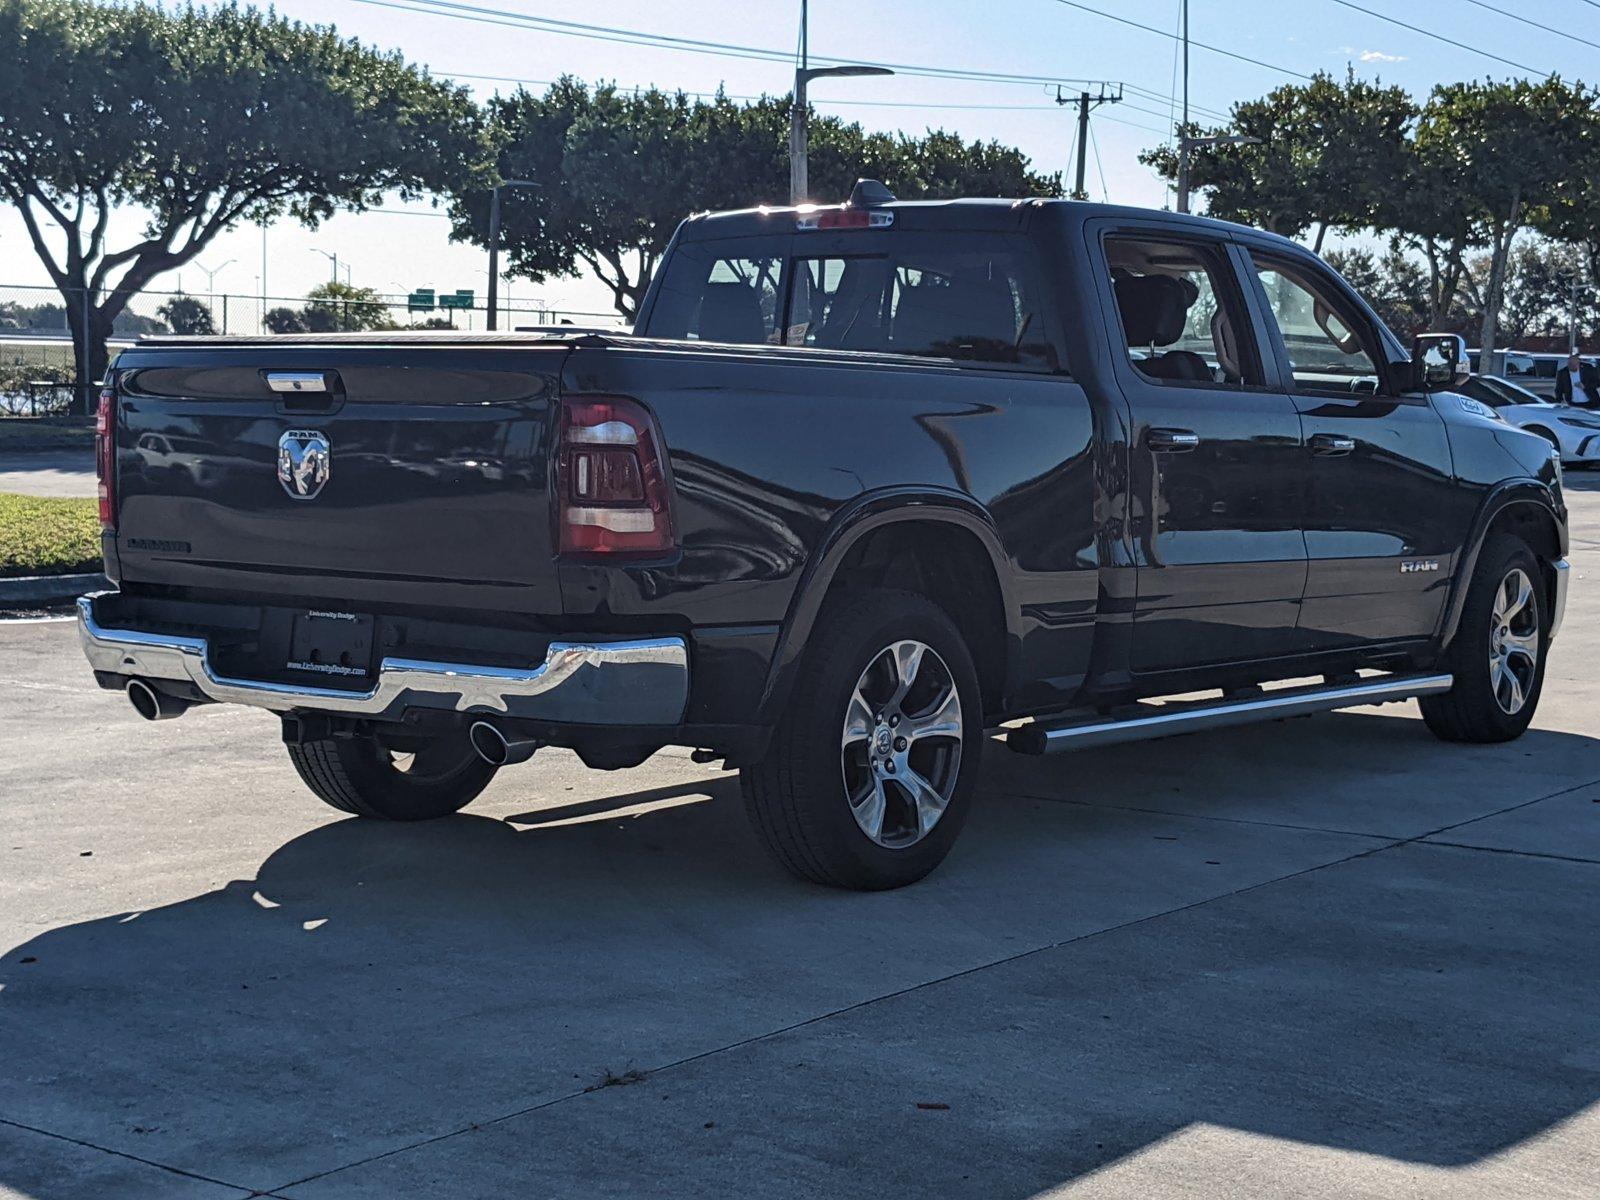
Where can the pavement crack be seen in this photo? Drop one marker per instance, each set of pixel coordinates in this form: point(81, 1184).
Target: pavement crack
point(1572, 858)
point(149, 1162)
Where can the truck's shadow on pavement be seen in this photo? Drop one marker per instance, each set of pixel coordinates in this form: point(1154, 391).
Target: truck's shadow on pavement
point(377, 986)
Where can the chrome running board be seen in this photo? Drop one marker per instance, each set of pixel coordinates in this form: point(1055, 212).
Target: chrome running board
point(1142, 721)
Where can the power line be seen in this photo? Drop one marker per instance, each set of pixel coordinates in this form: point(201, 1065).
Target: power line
point(1438, 37)
point(482, 14)
point(1197, 45)
point(1094, 144)
point(1530, 21)
point(825, 103)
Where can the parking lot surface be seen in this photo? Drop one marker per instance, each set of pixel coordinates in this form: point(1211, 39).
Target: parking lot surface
point(1327, 957)
point(48, 472)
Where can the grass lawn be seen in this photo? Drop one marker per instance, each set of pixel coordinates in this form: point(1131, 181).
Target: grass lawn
point(46, 536)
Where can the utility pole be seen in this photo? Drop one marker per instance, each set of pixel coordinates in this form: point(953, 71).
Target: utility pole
point(799, 185)
point(1086, 104)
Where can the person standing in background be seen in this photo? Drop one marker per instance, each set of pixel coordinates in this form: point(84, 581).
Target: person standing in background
point(1578, 383)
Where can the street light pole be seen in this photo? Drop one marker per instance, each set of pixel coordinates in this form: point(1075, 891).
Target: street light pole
point(1187, 144)
point(494, 244)
point(799, 185)
point(332, 258)
point(1183, 145)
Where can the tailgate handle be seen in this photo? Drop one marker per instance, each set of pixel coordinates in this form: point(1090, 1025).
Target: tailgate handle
point(297, 381)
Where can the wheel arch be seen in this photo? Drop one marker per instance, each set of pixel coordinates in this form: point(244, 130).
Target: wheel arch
point(1525, 508)
point(877, 531)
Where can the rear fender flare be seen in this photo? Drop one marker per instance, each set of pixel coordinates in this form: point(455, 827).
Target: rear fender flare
point(860, 517)
point(1512, 493)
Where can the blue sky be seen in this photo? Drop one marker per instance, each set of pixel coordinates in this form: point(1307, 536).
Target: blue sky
point(390, 250)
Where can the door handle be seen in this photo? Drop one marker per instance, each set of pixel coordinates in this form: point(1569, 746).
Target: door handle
point(1172, 441)
point(297, 381)
point(1331, 445)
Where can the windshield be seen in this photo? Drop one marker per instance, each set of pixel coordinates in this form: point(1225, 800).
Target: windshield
point(1510, 393)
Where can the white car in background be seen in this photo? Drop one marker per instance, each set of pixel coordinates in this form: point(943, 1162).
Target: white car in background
point(1573, 431)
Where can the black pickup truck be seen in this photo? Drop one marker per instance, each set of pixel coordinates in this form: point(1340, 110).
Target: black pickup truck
point(866, 483)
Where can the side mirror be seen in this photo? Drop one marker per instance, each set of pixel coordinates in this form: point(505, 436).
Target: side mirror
point(1438, 361)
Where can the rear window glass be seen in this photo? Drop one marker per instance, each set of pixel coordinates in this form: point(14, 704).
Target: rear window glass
point(721, 291)
point(966, 296)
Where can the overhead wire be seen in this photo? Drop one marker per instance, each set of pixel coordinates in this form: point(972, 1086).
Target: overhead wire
point(1198, 45)
point(1530, 21)
point(1438, 37)
point(483, 14)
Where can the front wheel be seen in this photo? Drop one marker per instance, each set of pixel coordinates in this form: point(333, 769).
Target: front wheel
point(372, 777)
point(1498, 655)
point(868, 777)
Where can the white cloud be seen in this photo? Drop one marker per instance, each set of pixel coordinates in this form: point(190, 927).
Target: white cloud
point(1378, 56)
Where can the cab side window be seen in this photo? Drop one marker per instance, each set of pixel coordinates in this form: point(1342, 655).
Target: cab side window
point(1181, 318)
point(1329, 351)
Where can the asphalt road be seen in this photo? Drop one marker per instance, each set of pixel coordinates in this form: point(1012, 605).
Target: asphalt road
point(1331, 957)
point(48, 472)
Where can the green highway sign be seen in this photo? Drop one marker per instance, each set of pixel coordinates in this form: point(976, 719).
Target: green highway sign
point(420, 300)
point(462, 298)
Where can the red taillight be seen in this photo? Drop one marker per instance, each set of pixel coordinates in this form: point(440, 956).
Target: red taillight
point(611, 484)
point(105, 456)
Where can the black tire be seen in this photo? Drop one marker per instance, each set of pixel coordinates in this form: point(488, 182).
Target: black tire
point(1475, 709)
point(798, 795)
point(361, 775)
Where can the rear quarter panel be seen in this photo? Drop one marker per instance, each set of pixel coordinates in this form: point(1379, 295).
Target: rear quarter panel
point(769, 448)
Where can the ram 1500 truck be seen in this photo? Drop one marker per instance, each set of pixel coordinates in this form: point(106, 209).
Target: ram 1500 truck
point(866, 483)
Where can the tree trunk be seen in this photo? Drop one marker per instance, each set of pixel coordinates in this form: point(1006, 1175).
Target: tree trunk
point(92, 325)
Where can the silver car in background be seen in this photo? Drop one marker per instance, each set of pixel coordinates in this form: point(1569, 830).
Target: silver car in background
point(1573, 431)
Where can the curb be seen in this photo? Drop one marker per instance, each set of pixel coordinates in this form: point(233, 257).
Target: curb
point(49, 589)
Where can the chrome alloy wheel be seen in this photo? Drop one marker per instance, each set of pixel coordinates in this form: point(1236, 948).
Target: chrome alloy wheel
point(1513, 642)
point(901, 749)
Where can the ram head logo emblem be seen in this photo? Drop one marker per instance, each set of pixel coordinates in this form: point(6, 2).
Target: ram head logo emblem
point(305, 460)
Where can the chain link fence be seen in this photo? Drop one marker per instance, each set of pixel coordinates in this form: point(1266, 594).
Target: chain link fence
point(40, 368)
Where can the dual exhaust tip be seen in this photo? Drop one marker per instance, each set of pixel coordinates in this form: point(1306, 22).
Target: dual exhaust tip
point(497, 748)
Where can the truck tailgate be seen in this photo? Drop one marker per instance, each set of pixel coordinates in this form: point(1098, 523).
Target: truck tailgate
point(418, 476)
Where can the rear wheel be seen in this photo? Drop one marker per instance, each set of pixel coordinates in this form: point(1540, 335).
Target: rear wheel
point(868, 777)
point(371, 777)
point(1497, 657)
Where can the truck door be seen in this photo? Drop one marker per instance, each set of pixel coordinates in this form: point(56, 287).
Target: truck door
point(1382, 519)
point(1215, 457)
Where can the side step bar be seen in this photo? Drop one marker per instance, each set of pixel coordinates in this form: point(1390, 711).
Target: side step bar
point(1140, 722)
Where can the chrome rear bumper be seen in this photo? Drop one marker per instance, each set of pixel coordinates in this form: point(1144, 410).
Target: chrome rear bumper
point(643, 682)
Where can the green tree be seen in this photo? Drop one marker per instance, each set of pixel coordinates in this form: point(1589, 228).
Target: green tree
point(341, 308)
point(284, 319)
point(185, 314)
point(1393, 283)
point(1547, 286)
point(1327, 151)
point(1502, 150)
point(618, 171)
point(203, 118)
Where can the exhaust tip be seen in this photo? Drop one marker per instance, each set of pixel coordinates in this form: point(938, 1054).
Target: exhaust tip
point(496, 749)
point(153, 705)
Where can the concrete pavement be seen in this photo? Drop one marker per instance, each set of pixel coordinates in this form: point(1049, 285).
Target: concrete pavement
point(1329, 957)
point(48, 472)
